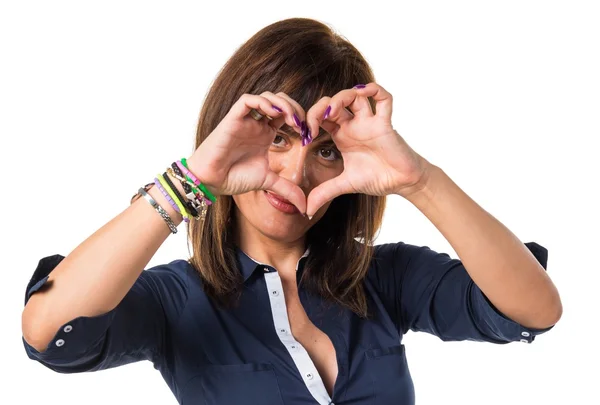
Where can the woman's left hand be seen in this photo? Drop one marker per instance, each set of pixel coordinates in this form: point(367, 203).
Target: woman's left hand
point(377, 161)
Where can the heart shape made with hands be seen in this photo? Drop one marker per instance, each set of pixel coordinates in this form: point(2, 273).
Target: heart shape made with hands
point(377, 160)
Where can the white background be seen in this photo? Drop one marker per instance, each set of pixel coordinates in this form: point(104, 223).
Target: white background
point(504, 96)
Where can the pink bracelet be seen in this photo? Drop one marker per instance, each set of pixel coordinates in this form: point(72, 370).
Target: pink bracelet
point(186, 172)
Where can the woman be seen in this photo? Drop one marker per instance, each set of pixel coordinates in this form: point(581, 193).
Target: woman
point(286, 300)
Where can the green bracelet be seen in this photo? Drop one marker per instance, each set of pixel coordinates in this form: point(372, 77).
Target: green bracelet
point(202, 187)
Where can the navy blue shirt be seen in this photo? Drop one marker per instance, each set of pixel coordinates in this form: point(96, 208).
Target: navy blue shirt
point(247, 355)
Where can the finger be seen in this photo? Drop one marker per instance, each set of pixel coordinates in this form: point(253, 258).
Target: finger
point(287, 189)
point(327, 191)
point(315, 118)
point(294, 103)
point(383, 99)
point(247, 102)
point(352, 100)
point(290, 115)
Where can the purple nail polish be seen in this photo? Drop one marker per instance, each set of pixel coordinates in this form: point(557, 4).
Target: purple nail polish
point(327, 111)
point(303, 129)
point(304, 141)
point(360, 86)
point(297, 120)
point(309, 136)
point(277, 108)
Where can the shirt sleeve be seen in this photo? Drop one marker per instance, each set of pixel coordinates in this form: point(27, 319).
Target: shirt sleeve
point(136, 329)
point(427, 291)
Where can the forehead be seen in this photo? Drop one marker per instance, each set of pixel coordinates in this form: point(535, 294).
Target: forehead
point(323, 135)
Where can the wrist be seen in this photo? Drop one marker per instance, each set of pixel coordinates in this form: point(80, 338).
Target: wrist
point(423, 180)
point(196, 166)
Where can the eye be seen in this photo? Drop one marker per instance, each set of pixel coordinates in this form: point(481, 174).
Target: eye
point(329, 154)
point(278, 141)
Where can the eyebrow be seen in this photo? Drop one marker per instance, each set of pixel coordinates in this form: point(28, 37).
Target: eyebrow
point(286, 129)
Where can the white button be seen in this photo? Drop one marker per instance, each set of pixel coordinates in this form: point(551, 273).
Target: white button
point(309, 376)
point(68, 328)
point(60, 342)
point(266, 269)
point(275, 293)
point(524, 340)
point(526, 334)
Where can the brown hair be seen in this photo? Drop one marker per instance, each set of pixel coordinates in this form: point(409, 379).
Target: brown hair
point(306, 60)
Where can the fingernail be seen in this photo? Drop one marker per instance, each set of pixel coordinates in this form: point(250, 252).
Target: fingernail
point(360, 86)
point(309, 136)
point(304, 141)
point(327, 111)
point(277, 108)
point(297, 120)
point(303, 129)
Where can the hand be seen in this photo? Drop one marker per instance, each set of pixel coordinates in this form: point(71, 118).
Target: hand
point(377, 161)
point(233, 159)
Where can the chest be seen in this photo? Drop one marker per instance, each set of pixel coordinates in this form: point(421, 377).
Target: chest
point(281, 345)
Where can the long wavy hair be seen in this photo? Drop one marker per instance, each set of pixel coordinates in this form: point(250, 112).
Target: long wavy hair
point(307, 60)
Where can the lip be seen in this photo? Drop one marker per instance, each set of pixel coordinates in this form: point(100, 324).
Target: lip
point(280, 203)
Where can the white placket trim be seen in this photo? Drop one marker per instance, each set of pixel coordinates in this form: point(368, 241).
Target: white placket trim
point(300, 356)
point(306, 367)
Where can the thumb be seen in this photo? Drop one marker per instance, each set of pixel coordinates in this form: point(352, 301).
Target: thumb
point(327, 191)
point(286, 189)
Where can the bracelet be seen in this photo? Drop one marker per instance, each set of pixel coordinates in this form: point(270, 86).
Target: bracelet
point(166, 194)
point(186, 203)
point(186, 186)
point(182, 210)
point(199, 194)
point(159, 209)
point(183, 166)
point(198, 201)
point(138, 195)
point(194, 194)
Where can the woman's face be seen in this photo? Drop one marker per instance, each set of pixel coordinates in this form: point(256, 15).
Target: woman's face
point(306, 166)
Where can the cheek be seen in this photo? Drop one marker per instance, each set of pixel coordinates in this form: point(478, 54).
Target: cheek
point(320, 173)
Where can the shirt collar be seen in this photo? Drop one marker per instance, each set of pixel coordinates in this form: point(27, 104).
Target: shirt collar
point(248, 265)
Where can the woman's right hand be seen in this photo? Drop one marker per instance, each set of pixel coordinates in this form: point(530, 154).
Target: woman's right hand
point(233, 159)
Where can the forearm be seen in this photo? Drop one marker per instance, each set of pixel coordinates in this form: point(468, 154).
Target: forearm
point(497, 261)
point(99, 272)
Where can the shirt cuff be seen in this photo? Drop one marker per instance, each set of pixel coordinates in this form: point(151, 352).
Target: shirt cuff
point(505, 328)
point(77, 344)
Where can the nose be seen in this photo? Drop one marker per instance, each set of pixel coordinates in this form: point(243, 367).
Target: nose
point(292, 165)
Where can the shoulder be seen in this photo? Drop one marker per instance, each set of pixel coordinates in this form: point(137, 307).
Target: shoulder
point(402, 254)
point(177, 274)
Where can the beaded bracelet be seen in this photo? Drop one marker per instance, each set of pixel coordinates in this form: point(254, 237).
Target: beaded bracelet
point(166, 194)
point(183, 166)
point(187, 204)
point(193, 193)
point(182, 210)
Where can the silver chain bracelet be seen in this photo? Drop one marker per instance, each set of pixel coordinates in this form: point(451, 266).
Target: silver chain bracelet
point(158, 209)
